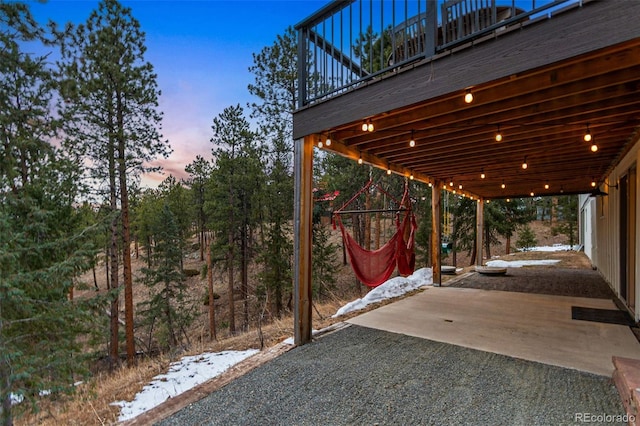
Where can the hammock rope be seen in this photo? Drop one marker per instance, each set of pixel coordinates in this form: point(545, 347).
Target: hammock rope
point(374, 267)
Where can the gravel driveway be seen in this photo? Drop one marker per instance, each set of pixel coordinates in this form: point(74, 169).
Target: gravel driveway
point(362, 376)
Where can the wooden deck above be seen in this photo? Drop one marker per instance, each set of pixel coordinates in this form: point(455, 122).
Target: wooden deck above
point(541, 84)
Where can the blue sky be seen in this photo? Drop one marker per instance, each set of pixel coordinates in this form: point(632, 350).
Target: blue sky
point(201, 51)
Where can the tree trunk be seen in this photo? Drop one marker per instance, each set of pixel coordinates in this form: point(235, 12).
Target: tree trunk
point(508, 249)
point(95, 278)
point(474, 252)
point(5, 381)
point(149, 260)
point(454, 254)
point(201, 242)
point(377, 231)
point(232, 314)
point(245, 277)
point(173, 340)
point(113, 254)
point(212, 312)
point(244, 289)
point(367, 222)
point(5, 391)
point(126, 237)
point(488, 242)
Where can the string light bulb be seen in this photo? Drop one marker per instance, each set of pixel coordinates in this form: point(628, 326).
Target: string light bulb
point(412, 142)
point(411, 176)
point(364, 126)
point(498, 135)
point(482, 175)
point(328, 141)
point(524, 163)
point(593, 183)
point(319, 144)
point(388, 171)
point(460, 186)
point(546, 186)
point(360, 159)
point(503, 186)
point(587, 135)
point(451, 182)
point(468, 96)
point(594, 148)
point(531, 193)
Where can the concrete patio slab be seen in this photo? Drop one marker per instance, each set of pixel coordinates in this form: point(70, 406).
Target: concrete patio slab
point(535, 327)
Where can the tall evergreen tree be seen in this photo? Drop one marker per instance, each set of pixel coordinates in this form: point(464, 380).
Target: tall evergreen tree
point(275, 70)
point(324, 260)
point(177, 197)
point(463, 235)
point(169, 311)
point(110, 103)
point(232, 192)
point(567, 218)
point(44, 244)
point(199, 171)
point(515, 213)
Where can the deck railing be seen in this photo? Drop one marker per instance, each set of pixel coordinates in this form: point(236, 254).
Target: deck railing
point(349, 42)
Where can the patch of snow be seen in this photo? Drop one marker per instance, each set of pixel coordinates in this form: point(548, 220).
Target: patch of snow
point(183, 375)
point(555, 247)
point(520, 263)
point(394, 287)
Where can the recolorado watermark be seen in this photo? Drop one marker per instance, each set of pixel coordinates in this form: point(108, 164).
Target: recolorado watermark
point(603, 418)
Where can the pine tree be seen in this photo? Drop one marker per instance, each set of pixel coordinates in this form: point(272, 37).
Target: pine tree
point(44, 242)
point(109, 103)
point(275, 70)
point(526, 238)
point(567, 218)
point(169, 311)
point(232, 191)
point(199, 171)
point(324, 261)
point(464, 226)
point(515, 213)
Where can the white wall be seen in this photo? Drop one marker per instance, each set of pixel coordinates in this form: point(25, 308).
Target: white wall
point(603, 213)
point(587, 224)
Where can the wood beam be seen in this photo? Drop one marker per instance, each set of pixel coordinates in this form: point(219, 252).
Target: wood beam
point(302, 218)
point(436, 233)
point(479, 231)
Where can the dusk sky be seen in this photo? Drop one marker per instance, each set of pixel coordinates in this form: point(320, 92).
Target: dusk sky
point(201, 51)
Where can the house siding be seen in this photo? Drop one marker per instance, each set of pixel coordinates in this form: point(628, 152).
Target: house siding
point(600, 226)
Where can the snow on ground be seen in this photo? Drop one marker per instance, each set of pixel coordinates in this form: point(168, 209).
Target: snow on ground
point(555, 247)
point(392, 288)
point(183, 375)
point(519, 263)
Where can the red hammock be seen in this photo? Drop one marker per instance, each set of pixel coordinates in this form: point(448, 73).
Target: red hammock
point(374, 267)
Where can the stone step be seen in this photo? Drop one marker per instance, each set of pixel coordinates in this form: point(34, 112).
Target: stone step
point(626, 376)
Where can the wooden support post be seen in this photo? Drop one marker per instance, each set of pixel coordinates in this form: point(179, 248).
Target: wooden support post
point(436, 231)
point(479, 230)
point(302, 240)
